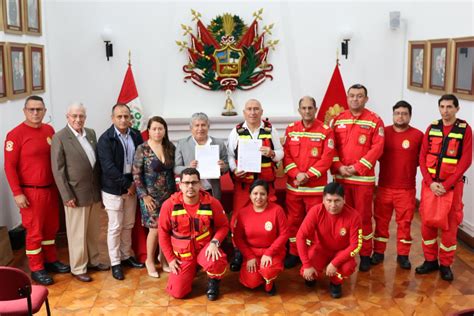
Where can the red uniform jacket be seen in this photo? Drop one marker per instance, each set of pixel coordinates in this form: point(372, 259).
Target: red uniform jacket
point(268, 229)
point(359, 142)
point(309, 150)
point(341, 234)
point(28, 157)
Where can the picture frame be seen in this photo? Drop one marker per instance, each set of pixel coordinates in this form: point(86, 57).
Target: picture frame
point(12, 15)
point(462, 80)
point(3, 73)
point(36, 68)
point(417, 61)
point(32, 17)
point(17, 70)
point(439, 66)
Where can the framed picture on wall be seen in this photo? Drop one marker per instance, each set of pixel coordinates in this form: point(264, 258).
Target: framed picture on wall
point(439, 66)
point(417, 65)
point(32, 14)
point(17, 70)
point(36, 68)
point(3, 77)
point(463, 64)
point(12, 16)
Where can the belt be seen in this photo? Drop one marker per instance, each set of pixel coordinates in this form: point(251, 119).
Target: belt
point(35, 186)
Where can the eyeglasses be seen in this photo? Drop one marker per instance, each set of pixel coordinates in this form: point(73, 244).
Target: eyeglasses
point(32, 110)
point(187, 183)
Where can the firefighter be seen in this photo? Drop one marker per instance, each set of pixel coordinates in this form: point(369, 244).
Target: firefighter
point(329, 238)
point(272, 152)
point(397, 185)
point(192, 226)
point(359, 138)
point(446, 154)
point(309, 150)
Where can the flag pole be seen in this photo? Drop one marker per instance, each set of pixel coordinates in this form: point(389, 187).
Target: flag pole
point(129, 57)
point(337, 56)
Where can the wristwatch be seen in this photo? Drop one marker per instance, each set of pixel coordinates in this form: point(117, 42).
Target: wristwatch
point(216, 242)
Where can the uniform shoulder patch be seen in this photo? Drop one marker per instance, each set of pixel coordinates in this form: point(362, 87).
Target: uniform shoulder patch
point(434, 122)
point(462, 125)
point(291, 124)
point(9, 145)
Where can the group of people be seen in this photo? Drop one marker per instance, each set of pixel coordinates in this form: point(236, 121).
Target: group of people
point(322, 225)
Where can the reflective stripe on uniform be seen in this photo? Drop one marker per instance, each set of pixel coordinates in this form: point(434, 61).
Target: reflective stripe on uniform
point(204, 212)
point(183, 255)
point(245, 136)
point(435, 133)
point(307, 134)
point(339, 275)
point(429, 242)
point(202, 236)
point(261, 136)
point(178, 212)
point(404, 241)
point(48, 242)
point(431, 170)
point(292, 239)
point(33, 252)
point(315, 171)
point(455, 135)
point(217, 274)
point(268, 281)
point(357, 178)
point(266, 164)
point(359, 243)
point(290, 166)
point(450, 160)
point(368, 237)
point(366, 163)
point(305, 189)
point(335, 159)
point(308, 242)
point(448, 249)
point(381, 239)
point(357, 122)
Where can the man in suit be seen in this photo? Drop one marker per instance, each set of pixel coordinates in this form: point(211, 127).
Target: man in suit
point(77, 176)
point(185, 152)
point(116, 149)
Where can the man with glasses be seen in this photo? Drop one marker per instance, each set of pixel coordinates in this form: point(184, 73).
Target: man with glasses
point(359, 135)
point(191, 228)
point(29, 174)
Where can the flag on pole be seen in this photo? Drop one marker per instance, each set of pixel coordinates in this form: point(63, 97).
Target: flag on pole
point(129, 95)
point(335, 99)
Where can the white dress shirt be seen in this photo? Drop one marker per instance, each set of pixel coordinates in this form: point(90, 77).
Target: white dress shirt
point(85, 145)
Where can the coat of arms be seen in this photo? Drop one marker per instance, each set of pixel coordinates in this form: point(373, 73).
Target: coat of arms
point(227, 54)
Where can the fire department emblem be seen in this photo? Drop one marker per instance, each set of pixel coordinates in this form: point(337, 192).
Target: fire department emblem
point(381, 131)
point(48, 139)
point(314, 151)
point(268, 226)
point(9, 145)
point(343, 231)
point(406, 144)
point(331, 143)
point(362, 139)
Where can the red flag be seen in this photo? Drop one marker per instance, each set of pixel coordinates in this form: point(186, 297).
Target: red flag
point(335, 99)
point(129, 95)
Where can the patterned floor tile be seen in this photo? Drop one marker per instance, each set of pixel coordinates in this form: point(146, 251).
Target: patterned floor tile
point(109, 311)
point(219, 308)
point(150, 297)
point(264, 308)
point(147, 311)
point(195, 310)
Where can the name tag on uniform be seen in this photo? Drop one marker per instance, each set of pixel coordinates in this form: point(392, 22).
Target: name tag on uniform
point(364, 126)
point(317, 139)
point(341, 126)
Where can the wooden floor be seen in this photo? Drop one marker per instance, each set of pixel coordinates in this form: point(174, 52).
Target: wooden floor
point(385, 290)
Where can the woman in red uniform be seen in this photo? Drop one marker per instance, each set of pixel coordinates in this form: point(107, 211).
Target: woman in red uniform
point(261, 231)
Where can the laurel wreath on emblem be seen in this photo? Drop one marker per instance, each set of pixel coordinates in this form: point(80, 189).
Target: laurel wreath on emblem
point(227, 54)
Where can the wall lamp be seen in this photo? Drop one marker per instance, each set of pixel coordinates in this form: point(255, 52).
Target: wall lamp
point(346, 37)
point(107, 38)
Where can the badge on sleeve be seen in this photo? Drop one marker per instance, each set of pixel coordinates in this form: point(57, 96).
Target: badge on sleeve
point(331, 143)
point(48, 139)
point(314, 151)
point(9, 145)
point(268, 226)
point(362, 139)
point(381, 131)
point(406, 144)
point(343, 231)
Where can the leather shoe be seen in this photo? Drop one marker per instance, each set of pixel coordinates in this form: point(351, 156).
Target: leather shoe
point(446, 273)
point(42, 277)
point(291, 261)
point(335, 290)
point(133, 263)
point(99, 267)
point(376, 258)
point(364, 265)
point(83, 277)
point(117, 272)
point(404, 262)
point(427, 267)
point(57, 267)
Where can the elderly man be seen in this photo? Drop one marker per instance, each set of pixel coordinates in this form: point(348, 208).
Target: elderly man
point(116, 149)
point(185, 152)
point(272, 151)
point(28, 171)
point(77, 175)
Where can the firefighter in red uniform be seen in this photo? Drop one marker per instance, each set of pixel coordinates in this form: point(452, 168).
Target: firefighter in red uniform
point(260, 233)
point(29, 174)
point(359, 137)
point(309, 150)
point(446, 154)
point(397, 185)
point(191, 228)
point(272, 151)
point(329, 238)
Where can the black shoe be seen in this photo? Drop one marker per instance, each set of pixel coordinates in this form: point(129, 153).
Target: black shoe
point(403, 262)
point(42, 277)
point(133, 263)
point(310, 283)
point(364, 265)
point(427, 267)
point(291, 261)
point(57, 267)
point(376, 258)
point(273, 290)
point(446, 273)
point(117, 272)
point(335, 290)
point(212, 289)
point(236, 262)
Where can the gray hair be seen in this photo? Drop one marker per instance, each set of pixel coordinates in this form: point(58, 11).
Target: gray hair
point(199, 116)
point(76, 105)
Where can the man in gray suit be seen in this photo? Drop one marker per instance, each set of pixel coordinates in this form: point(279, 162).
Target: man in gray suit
point(185, 152)
point(77, 175)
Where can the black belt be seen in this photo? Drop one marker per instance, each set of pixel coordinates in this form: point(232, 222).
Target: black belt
point(35, 186)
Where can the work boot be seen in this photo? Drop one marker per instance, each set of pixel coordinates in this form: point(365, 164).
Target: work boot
point(376, 258)
point(403, 262)
point(335, 290)
point(427, 267)
point(364, 265)
point(42, 277)
point(446, 273)
point(291, 261)
point(212, 289)
point(236, 262)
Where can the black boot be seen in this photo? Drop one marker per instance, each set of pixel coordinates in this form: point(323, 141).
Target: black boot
point(291, 261)
point(446, 273)
point(42, 277)
point(57, 267)
point(364, 265)
point(404, 262)
point(335, 290)
point(427, 267)
point(212, 289)
point(236, 262)
point(376, 258)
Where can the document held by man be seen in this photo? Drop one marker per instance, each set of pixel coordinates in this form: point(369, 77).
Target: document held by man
point(249, 157)
point(207, 157)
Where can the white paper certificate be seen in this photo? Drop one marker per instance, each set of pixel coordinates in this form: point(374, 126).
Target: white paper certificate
point(207, 157)
point(249, 157)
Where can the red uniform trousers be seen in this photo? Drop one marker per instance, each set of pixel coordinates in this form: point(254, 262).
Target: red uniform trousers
point(361, 198)
point(321, 257)
point(263, 275)
point(447, 247)
point(180, 285)
point(404, 203)
point(296, 207)
point(41, 221)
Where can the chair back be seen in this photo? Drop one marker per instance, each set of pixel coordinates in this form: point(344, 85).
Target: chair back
point(15, 284)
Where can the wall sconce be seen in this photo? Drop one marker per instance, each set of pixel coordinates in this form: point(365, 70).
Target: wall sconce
point(107, 38)
point(346, 37)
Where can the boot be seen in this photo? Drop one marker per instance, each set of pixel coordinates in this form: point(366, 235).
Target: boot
point(446, 273)
point(364, 265)
point(291, 261)
point(335, 290)
point(236, 262)
point(427, 267)
point(376, 258)
point(404, 262)
point(212, 289)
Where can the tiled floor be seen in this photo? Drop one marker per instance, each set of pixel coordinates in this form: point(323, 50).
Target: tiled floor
point(385, 290)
